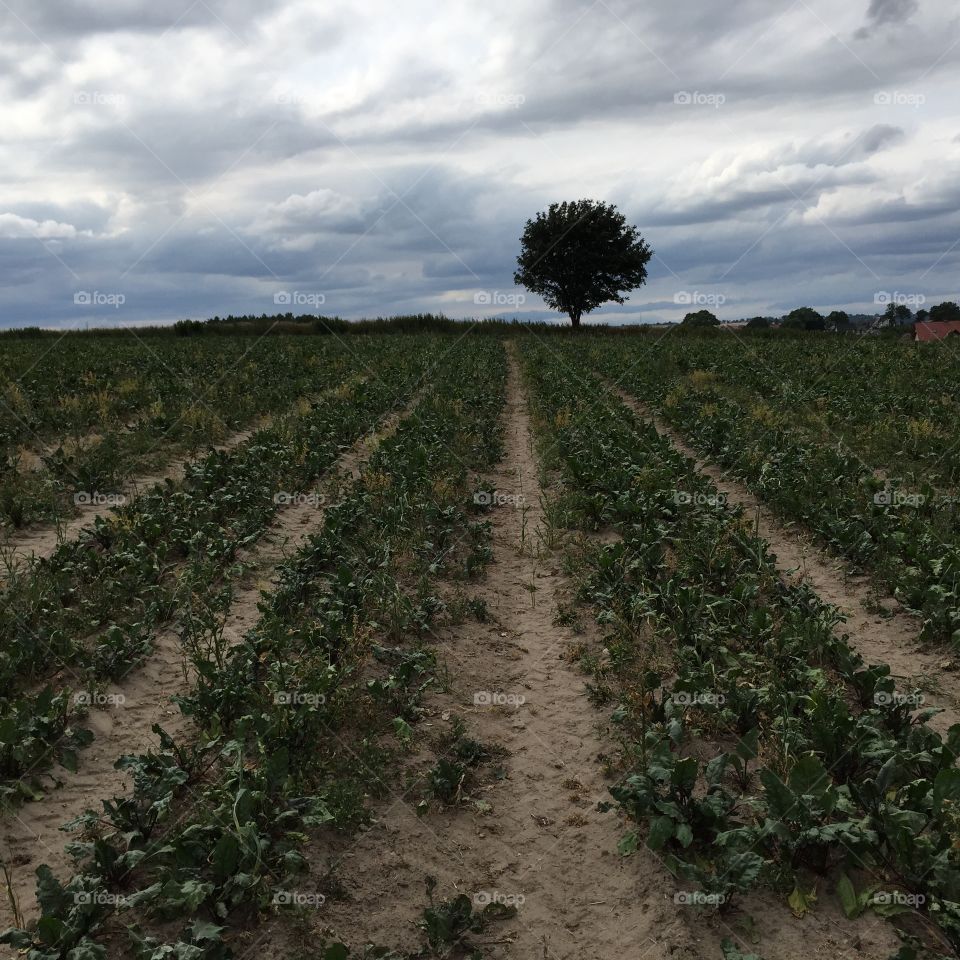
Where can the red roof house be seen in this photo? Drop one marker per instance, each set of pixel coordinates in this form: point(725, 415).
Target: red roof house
point(936, 331)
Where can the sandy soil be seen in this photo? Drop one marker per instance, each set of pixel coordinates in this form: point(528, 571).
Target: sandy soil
point(31, 835)
point(891, 639)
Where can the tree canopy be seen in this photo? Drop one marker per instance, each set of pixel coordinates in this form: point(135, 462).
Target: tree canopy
point(581, 254)
point(701, 318)
point(947, 312)
point(804, 318)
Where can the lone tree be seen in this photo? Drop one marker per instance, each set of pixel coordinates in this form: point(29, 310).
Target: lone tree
point(804, 318)
point(579, 255)
point(702, 318)
point(839, 320)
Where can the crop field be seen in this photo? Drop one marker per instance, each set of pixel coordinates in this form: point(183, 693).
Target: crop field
point(495, 644)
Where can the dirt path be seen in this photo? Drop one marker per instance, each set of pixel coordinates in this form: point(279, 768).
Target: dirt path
point(890, 639)
point(31, 835)
point(532, 835)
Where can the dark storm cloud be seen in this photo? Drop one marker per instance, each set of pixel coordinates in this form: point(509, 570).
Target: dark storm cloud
point(198, 142)
point(885, 12)
point(53, 21)
point(879, 136)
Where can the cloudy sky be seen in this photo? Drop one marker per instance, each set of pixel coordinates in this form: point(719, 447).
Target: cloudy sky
point(184, 159)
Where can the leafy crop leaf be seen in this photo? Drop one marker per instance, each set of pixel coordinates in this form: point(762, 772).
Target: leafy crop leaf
point(746, 748)
point(848, 897)
point(732, 952)
point(801, 901)
point(87, 950)
point(779, 796)
point(19, 939)
point(628, 844)
point(226, 856)
point(203, 930)
point(808, 777)
point(661, 830)
point(53, 899)
point(946, 789)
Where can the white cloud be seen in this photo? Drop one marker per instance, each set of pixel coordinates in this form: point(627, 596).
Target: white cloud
point(15, 227)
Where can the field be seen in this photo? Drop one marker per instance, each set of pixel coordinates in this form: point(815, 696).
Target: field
point(508, 645)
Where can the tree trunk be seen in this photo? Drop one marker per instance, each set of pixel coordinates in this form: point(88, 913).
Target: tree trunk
point(575, 318)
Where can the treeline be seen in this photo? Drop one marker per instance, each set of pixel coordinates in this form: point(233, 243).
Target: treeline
point(312, 325)
point(896, 318)
point(266, 324)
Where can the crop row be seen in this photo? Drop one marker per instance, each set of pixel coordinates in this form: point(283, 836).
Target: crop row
point(760, 748)
point(890, 403)
point(84, 417)
point(91, 611)
point(908, 538)
point(297, 720)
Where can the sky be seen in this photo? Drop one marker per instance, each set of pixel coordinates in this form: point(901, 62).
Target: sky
point(194, 158)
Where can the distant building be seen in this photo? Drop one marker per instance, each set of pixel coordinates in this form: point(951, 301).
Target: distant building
point(926, 331)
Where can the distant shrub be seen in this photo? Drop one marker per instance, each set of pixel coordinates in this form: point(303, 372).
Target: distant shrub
point(189, 328)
